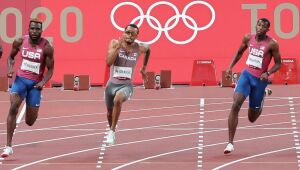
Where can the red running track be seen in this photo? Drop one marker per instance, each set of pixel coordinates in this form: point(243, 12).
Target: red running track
point(180, 128)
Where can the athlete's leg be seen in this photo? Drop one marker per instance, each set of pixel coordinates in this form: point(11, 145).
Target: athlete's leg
point(109, 98)
point(109, 116)
point(123, 93)
point(238, 100)
point(31, 115)
point(253, 114)
point(118, 101)
point(256, 98)
point(17, 93)
point(113, 116)
point(15, 102)
point(242, 91)
point(115, 95)
point(33, 101)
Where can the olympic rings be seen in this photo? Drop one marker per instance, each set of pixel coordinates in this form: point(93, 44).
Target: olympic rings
point(166, 27)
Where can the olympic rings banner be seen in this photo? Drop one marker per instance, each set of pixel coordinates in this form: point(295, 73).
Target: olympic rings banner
point(178, 31)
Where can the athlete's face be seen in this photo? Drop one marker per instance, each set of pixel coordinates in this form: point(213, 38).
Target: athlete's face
point(261, 27)
point(35, 31)
point(130, 34)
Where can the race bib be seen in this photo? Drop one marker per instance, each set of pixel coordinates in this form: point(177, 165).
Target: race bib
point(30, 66)
point(122, 72)
point(254, 61)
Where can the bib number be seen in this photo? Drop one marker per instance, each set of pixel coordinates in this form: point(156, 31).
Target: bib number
point(122, 72)
point(254, 61)
point(30, 66)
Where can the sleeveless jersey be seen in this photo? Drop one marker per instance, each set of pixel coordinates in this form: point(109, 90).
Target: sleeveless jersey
point(259, 57)
point(122, 70)
point(33, 62)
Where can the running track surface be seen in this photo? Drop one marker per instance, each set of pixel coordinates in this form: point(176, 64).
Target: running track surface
point(180, 128)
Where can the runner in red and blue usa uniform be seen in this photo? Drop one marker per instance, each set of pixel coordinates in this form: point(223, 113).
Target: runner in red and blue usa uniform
point(254, 79)
point(36, 54)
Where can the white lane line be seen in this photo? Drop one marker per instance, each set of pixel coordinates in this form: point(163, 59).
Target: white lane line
point(128, 143)
point(21, 114)
point(54, 157)
point(145, 109)
point(253, 156)
point(141, 99)
point(221, 119)
point(136, 110)
point(201, 136)
point(294, 126)
point(150, 117)
point(102, 149)
point(125, 111)
point(187, 149)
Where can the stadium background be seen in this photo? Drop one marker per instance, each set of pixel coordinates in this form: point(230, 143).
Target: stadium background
point(81, 30)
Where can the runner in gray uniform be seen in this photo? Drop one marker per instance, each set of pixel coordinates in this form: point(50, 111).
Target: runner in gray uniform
point(122, 57)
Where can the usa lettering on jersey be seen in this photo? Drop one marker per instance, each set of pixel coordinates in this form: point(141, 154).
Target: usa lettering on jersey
point(257, 52)
point(255, 58)
point(30, 54)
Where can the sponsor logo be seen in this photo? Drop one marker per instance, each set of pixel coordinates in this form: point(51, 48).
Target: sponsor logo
point(288, 60)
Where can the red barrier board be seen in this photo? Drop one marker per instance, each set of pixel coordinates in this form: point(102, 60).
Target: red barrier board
point(288, 72)
point(204, 73)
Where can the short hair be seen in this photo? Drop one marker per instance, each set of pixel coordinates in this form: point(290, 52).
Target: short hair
point(132, 25)
point(36, 20)
point(265, 20)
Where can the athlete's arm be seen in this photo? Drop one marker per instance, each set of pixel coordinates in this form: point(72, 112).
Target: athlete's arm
point(274, 50)
point(238, 55)
point(49, 61)
point(145, 50)
point(112, 52)
point(11, 58)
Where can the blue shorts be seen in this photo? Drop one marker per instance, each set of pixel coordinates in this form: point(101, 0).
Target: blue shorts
point(253, 87)
point(25, 88)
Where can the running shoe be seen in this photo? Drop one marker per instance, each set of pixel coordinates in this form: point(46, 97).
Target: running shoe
point(229, 148)
point(111, 138)
point(7, 151)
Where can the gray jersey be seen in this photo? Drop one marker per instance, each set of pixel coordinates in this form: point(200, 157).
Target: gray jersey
point(122, 70)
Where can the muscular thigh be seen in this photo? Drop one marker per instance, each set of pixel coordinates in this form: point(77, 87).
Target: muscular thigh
point(257, 92)
point(25, 89)
point(243, 84)
point(18, 89)
point(33, 98)
point(112, 89)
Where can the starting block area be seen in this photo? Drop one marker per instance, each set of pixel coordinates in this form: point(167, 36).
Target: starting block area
point(73, 82)
point(229, 82)
point(161, 80)
point(203, 74)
